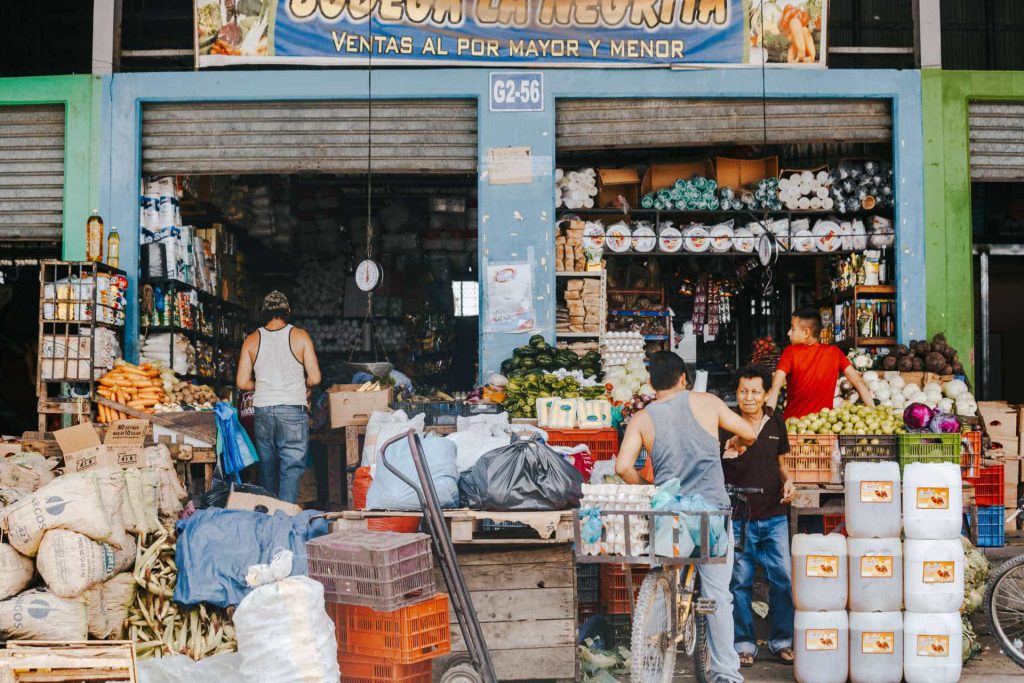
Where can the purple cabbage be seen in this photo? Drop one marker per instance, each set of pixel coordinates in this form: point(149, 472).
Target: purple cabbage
point(917, 416)
point(944, 423)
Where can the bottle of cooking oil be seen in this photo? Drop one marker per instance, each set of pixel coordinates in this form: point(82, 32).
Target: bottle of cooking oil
point(113, 248)
point(94, 237)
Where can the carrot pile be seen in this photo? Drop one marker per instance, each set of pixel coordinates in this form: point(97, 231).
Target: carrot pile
point(136, 386)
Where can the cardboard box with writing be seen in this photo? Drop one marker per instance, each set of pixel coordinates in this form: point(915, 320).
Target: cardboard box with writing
point(250, 501)
point(123, 445)
point(615, 182)
point(662, 176)
point(349, 406)
point(744, 173)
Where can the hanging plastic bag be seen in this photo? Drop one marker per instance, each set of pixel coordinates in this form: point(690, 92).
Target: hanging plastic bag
point(233, 444)
point(284, 633)
point(592, 527)
point(388, 492)
point(525, 475)
point(667, 497)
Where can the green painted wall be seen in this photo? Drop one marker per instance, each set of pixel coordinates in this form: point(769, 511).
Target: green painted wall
point(82, 107)
point(947, 191)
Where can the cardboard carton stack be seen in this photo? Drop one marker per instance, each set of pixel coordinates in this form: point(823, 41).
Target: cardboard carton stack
point(582, 313)
point(1003, 424)
point(569, 255)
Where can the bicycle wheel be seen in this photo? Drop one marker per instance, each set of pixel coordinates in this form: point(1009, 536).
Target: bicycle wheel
point(701, 653)
point(652, 643)
point(1004, 605)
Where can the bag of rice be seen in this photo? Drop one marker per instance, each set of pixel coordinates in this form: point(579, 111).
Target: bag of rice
point(108, 605)
point(70, 563)
point(40, 615)
point(16, 571)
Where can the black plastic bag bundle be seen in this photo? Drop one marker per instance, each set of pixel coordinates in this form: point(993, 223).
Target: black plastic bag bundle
point(525, 475)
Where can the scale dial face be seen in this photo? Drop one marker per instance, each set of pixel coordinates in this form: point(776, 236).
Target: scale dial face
point(767, 249)
point(369, 275)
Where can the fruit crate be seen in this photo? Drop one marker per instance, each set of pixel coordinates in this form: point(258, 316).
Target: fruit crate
point(603, 443)
point(406, 636)
point(588, 583)
point(356, 669)
point(988, 486)
point(929, 448)
point(383, 571)
point(869, 447)
point(615, 598)
point(618, 630)
point(830, 523)
point(810, 457)
point(991, 526)
point(970, 453)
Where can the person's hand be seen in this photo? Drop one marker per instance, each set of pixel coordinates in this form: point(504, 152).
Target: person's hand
point(734, 445)
point(788, 491)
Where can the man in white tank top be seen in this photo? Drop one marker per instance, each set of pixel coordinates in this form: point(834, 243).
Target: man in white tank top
point(279, 365)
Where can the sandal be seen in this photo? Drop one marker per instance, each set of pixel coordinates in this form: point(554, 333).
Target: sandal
point(746, 659)
point(785, 655)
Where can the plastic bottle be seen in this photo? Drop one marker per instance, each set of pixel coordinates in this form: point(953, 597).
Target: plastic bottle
point(873, 500)
point(819, 572)
point(113, 248)
point(933, 575)
point(932, 645)
point(876, 647)
point(876, 574)
point(821, 646)
point(94, 237)
point(932, 500)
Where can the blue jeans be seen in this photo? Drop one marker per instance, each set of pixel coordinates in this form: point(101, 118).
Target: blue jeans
point(767, 544)
point(282, 438)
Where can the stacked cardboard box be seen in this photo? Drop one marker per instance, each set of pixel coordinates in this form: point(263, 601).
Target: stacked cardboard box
point(569, 256)
point(582, 313)
point(1003, 424)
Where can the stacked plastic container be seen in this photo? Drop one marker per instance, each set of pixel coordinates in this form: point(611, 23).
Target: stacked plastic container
point(388, 618)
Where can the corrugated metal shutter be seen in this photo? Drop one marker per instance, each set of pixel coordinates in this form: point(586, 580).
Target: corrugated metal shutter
point(409, 136)
point(608, 123)
point(997, 141)
point(31, 172)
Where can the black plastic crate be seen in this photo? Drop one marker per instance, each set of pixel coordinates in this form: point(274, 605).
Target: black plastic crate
point(588, 583)
point(618, 630)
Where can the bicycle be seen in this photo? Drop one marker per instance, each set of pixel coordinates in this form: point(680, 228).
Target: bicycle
point(658, 629)
point(1004, 604)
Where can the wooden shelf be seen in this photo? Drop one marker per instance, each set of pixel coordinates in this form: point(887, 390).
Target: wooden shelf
point(866, 341)
point(866, 292)
point(587, 273)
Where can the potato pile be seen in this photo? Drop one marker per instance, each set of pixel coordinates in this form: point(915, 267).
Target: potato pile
point(136, 386)
point(181, 394)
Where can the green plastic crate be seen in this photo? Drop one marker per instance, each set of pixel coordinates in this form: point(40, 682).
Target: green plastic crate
point(929, 448)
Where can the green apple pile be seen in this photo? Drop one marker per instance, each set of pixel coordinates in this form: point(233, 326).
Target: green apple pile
point(848, 419)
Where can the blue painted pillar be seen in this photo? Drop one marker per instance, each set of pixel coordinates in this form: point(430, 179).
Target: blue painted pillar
point(516, 222)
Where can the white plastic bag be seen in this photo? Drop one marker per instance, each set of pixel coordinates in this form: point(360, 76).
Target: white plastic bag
point(70, 563)
point(220, 668)
point(473, 442)
point(41, 615)
point(284, 633)
point(16, 571)
point(383, 426)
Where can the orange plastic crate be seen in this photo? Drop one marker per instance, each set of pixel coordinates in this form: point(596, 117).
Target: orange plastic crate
point(615, 598)
point(400, 524)
point(831, 522)
point(603, 443)
point(356, 669)
point(810, 457)
point(360, 487)
point(970, 454)
point(406, 636)
point(988, 486)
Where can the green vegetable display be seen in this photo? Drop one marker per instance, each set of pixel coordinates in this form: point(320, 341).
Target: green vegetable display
point(522, 392)
point(537, 353)
point(847, 419)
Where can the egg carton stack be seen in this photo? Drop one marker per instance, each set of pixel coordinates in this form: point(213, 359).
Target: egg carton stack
point(575, 189)
point(622, 498)
point(806, 190)
point(618, 348)
point(583, 305)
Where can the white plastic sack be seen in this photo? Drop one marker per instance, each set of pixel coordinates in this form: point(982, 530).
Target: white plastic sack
point(16, 571)
point(388, 492)
point(220, 668)
point(284, 633)
point(72, 501)
point(383, 426)
point(107, 605)
point(70, 563)
point(473, 442)
point(495, 423)
point(41, 615)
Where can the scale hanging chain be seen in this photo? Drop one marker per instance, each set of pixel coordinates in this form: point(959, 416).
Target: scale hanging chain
point(769, 276)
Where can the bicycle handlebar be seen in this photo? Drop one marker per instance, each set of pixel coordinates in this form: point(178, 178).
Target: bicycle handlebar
point(743, 489)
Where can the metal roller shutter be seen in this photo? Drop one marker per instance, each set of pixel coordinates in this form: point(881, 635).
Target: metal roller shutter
point(31, 172)
point(996, 141)
point(609, 123)
point(409, 136)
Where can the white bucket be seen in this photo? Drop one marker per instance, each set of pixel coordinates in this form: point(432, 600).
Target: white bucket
point(932, 500)
point(873, 502)
point(876, 574)
point(819, 572)
point(933, 575)
point(932, 646)
point(821, 646)
point(876, 647)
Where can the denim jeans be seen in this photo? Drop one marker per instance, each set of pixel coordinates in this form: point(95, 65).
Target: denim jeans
point(767, 544)
point(714, 584)
point(282, 438)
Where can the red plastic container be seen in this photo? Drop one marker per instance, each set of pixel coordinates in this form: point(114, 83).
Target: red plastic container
point(403, 524)
point(988, 486)
point(356, 669)
point(970, 456)
point(603, 443)
point(615, 598)
point(832, 522)
point(361, 481)
point(406, 636)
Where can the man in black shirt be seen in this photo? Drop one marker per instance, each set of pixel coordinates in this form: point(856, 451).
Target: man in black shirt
point(767, 538)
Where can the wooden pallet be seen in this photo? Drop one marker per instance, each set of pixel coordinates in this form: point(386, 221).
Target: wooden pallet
point(466, 526)
point(52, 662)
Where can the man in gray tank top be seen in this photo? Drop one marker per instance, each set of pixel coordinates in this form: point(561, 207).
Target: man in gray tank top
point(680, 432)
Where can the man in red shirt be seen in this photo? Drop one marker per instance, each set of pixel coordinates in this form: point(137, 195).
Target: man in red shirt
point(809, 369)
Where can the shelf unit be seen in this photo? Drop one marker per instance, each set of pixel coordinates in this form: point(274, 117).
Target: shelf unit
point(855, 295)
point(603, 315)
point(661, 311)
point(67, 348)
